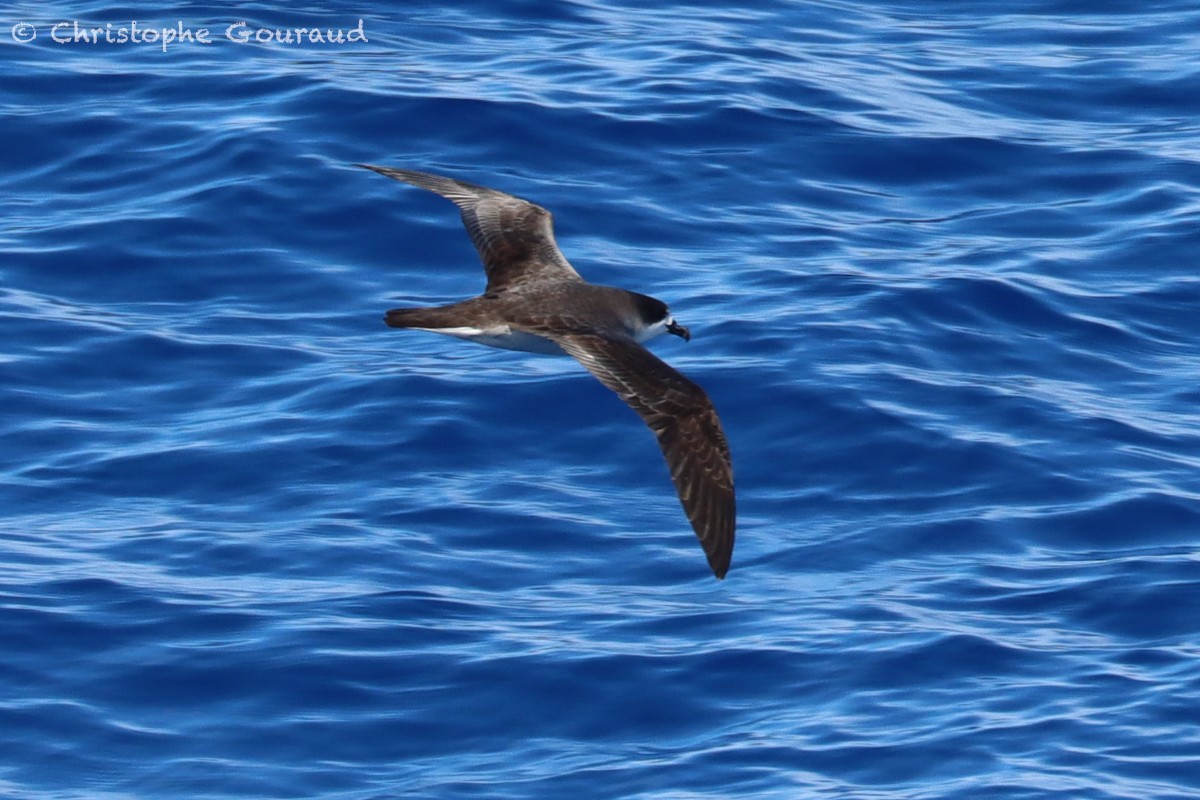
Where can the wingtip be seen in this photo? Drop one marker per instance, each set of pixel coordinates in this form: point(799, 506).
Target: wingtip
point(717, 542)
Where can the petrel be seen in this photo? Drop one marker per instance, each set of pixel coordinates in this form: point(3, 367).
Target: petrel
point(535, 301)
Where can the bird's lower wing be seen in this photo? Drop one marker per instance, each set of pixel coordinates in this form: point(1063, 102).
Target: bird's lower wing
point(686, 425)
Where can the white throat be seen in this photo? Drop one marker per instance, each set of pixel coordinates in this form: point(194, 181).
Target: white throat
point(657, 329)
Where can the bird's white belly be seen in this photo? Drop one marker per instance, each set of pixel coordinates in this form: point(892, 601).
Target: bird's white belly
point(503, 337)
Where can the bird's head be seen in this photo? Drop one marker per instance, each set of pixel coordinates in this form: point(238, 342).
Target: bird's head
point(656, 319)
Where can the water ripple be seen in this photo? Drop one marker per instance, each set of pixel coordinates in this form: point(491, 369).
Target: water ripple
point(939, 267)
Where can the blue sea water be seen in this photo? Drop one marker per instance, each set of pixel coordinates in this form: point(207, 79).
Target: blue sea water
point(940, 265)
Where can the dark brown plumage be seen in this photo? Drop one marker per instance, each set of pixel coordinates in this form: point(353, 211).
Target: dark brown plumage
point(686, 425)
point(515, 238)
point(536, 301)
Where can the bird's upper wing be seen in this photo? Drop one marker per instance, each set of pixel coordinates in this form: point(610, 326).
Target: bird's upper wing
point(686, 424)
point(514, 237)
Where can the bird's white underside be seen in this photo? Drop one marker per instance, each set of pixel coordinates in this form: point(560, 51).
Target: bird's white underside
point(505, 338)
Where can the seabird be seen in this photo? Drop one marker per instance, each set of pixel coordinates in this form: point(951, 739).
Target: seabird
point(536, 302)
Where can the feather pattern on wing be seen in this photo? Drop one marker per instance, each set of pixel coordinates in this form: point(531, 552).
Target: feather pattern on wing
point(686, 425)
point(515, 238)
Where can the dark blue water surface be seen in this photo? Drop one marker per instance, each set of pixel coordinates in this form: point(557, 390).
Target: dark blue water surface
point(940, 261)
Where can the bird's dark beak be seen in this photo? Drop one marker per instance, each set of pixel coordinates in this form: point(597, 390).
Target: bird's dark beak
point(679, 331)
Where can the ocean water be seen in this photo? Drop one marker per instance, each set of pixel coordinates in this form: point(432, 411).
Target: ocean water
point(940, 262)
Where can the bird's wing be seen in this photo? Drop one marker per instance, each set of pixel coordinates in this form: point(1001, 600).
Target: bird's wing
point(686, 424)
point(514, 237)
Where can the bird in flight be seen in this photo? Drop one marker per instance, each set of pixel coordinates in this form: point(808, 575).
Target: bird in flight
point(536, 302)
